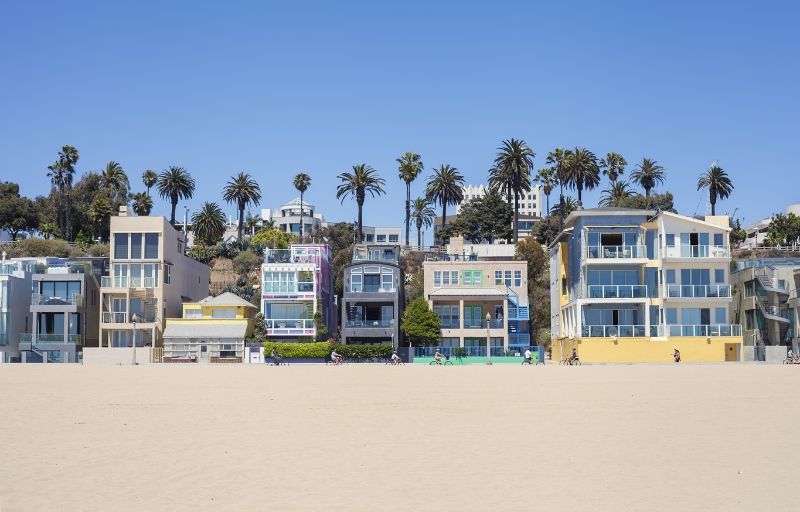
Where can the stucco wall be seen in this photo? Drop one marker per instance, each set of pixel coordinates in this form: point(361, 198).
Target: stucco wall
point(642, 350)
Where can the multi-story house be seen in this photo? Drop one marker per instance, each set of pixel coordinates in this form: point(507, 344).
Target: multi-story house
point(15, 300)
point(150, 278)
point(297, 292)
point(65, 307)
point(478, 297)
point(632, 285)
point(374, 296)
point(794, 309)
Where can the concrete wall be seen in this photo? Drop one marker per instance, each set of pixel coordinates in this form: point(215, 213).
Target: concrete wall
point(774, 354)
point(642, 350)
point(124, 355)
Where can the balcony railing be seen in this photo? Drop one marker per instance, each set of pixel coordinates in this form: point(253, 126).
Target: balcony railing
point(383, 322)
point(289, 323)
point(75, 299)
point(617, 291)
point(689, 291)
point(616, 252)
point(307, 255)
point(704, 331)
point(696, 251)
point(124, 318)
point(613, 331)
point(371, 289)
point(449, 324)
point(27, 337)
point(496, 323)
point(374, 255)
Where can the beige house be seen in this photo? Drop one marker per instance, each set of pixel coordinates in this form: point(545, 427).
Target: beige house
point(478, 297)
point(149, 280)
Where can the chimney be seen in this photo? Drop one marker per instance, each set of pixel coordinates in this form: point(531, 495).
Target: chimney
point(123, 210)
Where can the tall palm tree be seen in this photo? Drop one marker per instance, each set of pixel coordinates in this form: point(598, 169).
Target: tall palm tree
point(99, 211)
point(142, 203)
point(582, 171)
point(301, 182)
point(252, 223)
point(115, 181)
point(243, 190)
point(648, 174)
point(548, 179)
point(613, 166)
point(718, 183)
point(174, 184)
point(615, 194)
point(149, 178)
point(567, 206)
point(364, 179)
point(208, 224)
point(514, 162)
point(423, 216)
point(409, 167)
point(445, 187)
point(61, 174)
point(557, 159)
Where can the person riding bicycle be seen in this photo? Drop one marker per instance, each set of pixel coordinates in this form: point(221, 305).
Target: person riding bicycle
point(336, 358)
point(676, 356)
point(395, 358)
point(574, 357)
point(790, 356)
point(438, 356)
point(528, 355)
point(274, 356)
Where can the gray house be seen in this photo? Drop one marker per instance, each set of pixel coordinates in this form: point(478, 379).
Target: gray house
point(373, 296)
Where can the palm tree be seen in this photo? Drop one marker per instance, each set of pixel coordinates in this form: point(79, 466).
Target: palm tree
point(208, 224)
point(445, 187)
point(357, 184)
point(252, 223)
point(513, 162)
point(115, 181)
point(61, 174)
point(142, 203)
point(301, 182)
point(566, 207)
point(243, 190)
point(410, 166)
point(558, 160)
point(616, 194)
point(718, 183)
point(582, 171)
point(149, 178)
point(99, 211)
point(613, 166)
point(648, 174)
point(548, 179)
point(423, 216)
point(174, 184)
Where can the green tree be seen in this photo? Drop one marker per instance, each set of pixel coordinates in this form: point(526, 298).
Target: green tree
point(410, 166)
point(548, 179)
point(61, 174)
point(648, 174)
point(149, 178)
point(115, 181)
point(301, 182)
point(17, 213)
point(659, 202)
point(100, 211)
point(252, 223)
point(175, 184)
point(142, 203)
point(242, 190)
point(533, 253)
point(421, 324)
point(208, 224)
point(783, 230)
point(615, 194)
point(423, 215)
point(718, 183)
point(513, 165)
point(483, 220)
point(613, 166)
point(563, 210)
point(738, 235)
point(582, 171)
point(446, 188)
point(273, 238)
point(363, 180)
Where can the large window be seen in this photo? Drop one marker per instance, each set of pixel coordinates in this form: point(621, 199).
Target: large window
point(121, 246)
point(448, 316)
point(151, 246)
point(129, 246)
point(51, 323)
point(59, 290)
point(223, 313)
point(279, 282)
point(287, 310)
point(305, 281)
point(472, 277)
point(136, 246)
point(517, 278)
point(355, 283)
point(473, 316)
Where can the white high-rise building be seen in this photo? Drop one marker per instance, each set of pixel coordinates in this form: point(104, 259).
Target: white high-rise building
point(530, 204)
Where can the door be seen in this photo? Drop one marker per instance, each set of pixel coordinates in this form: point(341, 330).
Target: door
point(731, 352)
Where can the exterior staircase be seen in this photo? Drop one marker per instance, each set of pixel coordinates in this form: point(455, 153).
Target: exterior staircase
point(771, 312)
point(769, 283)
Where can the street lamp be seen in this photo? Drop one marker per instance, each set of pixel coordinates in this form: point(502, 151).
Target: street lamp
point(488, 337)
point(134, 318)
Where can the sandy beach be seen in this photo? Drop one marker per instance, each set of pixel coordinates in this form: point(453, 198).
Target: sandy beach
point(647, 437)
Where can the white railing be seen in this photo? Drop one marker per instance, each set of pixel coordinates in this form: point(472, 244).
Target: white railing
point(615, 252)
point(617, 291)
point(289, 323)
point(689, 291)
point(696, 251)
point(75, 299)
point(613, 331)
point(705, 331)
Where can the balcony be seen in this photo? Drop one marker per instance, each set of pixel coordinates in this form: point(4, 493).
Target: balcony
point(451, 323)
point(613, 331)
point(296, 255)
point(27, 337)
point(368, 254)
point(355, 288)
point(75, 299)
point(367, 324)
point(128, 282)
point(124, 318)
point(289, 323)
point(704, 331)
point(617, 291)
point(481, 324)
point(696, 251)
point(616, 252)
point(712, 291)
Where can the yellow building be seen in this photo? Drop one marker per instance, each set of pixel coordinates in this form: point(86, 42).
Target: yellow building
point(212, 330)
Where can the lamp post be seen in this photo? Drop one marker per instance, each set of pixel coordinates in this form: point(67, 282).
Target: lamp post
point(488, 338)
point(134, 339)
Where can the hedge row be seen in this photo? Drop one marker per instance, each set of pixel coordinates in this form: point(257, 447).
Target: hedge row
point(323, 349)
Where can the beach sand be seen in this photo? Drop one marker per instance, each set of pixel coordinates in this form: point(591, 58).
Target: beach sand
point(412, 438)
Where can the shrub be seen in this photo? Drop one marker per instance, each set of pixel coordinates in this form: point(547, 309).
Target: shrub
point(459, 352)
point(203, 253)
point(37, 247)
point(365, 351)
point(246, 261)
point(318, 350)
point(98, 250)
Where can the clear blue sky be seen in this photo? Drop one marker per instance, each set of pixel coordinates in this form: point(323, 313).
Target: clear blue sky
point(276, 88)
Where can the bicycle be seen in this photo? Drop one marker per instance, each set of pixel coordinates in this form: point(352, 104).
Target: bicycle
point(791, 360)
point(571, 362)
point(446, 362)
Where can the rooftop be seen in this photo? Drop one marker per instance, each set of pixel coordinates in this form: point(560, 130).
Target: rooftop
point(226, 299)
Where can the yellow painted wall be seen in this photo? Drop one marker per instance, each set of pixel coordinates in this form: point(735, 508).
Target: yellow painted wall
point(200, 322)
point(241, 311)
point(643, 350)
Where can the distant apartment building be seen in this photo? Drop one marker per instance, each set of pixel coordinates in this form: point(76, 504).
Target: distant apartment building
point(631, 285)
point(211, 330)
point(15, 300)
point(374, 296)
point(150, 278)
point(757, 232)
point(763, 288)
point(480, 296)
point(297, 285)
point(794, 309)
point(531, 203)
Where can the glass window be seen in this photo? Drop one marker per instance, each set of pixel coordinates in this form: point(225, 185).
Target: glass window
point(372, 282)
point(454, 277)
point(355, 283)
point(720, 315)
point(223, 313)
point(394, 238)
point(381, 238)
point(121, 246)
point(508, 278)
point(719, 275)
point(467, 278)
point(305, 281)
point(670, 239)
point(498, 277)
point(387, 281)
point(167, 274)
point(437, 278)
point(445, 278)
point(193, 313)
point(672, 316)
point(670, 276)
point(151, 246)
point(370, 238)
point(136, 246)
point(75, 323)
point(718, 240)
point(517, 278)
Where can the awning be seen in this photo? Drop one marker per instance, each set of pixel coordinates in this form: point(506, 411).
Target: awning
point(206, 330)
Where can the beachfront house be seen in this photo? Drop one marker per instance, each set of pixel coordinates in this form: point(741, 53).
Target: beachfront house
point(296, 289)
point(374, 297)
point(632, 285)
point(15, 300)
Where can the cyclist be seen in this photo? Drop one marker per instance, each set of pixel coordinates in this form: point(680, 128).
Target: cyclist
point(528, 356)
point(438, 356)
point(336, 358)
point(676, 356)
point(274, 356)
point(574, 357)
point(395, 358)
